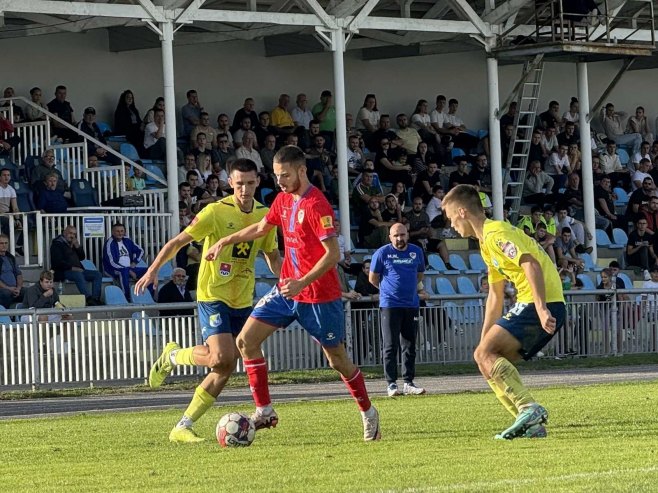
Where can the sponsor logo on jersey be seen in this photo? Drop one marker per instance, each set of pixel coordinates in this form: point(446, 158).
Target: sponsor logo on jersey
point(508, 248)
point(327, 222)
point(242, 250)
point(300, 216)
point(224, 269)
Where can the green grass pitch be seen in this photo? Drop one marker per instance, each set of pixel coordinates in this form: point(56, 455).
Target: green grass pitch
point(602, 438)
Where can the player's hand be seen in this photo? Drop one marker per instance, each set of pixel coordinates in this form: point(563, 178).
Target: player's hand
point(213, 251)
point(290, 287)
point(548, 321)
point(150, 277)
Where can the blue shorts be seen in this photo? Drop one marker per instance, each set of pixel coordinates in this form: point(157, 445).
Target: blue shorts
point(324, 321)
point(523, 323)
point(216, 317)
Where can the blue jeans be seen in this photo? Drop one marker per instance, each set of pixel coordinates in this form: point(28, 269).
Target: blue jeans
point(81, 278)
point(124, 277)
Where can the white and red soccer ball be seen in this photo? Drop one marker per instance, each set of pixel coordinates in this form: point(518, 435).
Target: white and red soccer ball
point(235, 430)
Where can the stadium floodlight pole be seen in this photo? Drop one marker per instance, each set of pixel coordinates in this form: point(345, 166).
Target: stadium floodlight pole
point(497, 192)
point(167, 40)
point(586, 153)
point(338, 48)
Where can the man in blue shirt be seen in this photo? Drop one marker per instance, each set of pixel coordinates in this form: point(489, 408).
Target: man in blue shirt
point(396, 269)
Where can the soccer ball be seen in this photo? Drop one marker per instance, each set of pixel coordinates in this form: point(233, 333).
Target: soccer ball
point(235, 430)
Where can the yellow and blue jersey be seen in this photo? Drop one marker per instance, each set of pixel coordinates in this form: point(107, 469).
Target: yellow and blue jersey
point(231, 277)
point(502, 248)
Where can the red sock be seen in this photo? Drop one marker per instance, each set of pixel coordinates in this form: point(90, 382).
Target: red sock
point(257, 373)
point(357, 387)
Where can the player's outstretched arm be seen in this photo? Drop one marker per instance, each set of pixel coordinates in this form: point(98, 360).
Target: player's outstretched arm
point(535, 277)
point(493, 310)
point(247, 234)
point(167, 253)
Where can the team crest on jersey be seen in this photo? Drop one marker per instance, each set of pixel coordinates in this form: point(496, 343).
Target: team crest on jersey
point(412, 255)
point(509, 249)
point(327, 222)
point(242, 250)
point(215, 320)
point(300, 216)
point(224, 269)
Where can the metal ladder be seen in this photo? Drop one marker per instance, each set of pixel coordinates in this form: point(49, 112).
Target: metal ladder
point(524, 124)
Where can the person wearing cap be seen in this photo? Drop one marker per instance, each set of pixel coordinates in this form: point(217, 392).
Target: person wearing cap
point(89, 126)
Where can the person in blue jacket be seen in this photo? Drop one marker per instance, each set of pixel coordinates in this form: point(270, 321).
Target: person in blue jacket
point(121, 256)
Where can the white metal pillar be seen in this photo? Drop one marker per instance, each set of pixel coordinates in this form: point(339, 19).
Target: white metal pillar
point(497, 192)
point(167, 39)
point(586, 151)
point(338, 48)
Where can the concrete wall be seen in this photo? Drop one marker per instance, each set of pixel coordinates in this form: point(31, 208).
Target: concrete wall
point(225, 73)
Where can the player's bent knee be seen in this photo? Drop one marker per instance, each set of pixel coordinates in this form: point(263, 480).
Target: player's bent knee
point(222, 365)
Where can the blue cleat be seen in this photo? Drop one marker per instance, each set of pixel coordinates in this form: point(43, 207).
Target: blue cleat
point(529, 416)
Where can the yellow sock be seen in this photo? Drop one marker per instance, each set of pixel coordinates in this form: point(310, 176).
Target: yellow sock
point(504, 400)
point(201, 402)
point(185, 356)
point(507, 378)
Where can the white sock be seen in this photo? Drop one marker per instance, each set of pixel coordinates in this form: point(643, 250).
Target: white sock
point(264, 410)
point(172, 357)
point(369, 413)
point(185, 422)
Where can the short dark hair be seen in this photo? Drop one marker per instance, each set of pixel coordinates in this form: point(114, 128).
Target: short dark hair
point(60, 87)
point(116, 225)
point(34, 89)
point(244, 166)
point(263, 113)
point(566, 229)
point(614, 264)
point(453, 101)
point(183, 184)
point(204, 113)
point(534, 209)
point(190, 92)
point(292, 155)
point(192, 172)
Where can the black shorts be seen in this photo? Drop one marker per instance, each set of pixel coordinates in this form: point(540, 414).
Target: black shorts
point(523, 323)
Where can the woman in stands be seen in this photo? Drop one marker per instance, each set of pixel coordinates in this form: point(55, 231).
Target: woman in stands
point(387, 166)
point(400, 192)
point(127, 120)
point(573, 114)
point(575, 158)
point(367, 120)
point(420, 120)
point(148, 117)
point(423, 158)
point(204, 165)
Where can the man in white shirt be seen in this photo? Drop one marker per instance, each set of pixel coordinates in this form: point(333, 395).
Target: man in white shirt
point(355, 157)
point(641, 173)
point(300, 113)
point(611, 166)
point(7, 201)
point(247, 151)
point(614, 130)
point(154, 136)
point(645, 149)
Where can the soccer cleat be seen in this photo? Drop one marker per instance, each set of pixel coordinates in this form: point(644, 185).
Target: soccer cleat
point(411, 389)
point(533, 414)
point(180, 434)
point(162, 366)
point(371, 430)
point(535, 431)
point(393, 390)
point(265, 420)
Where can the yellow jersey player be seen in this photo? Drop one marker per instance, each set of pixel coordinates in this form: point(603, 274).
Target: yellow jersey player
point(225, 291)
point(529, 325)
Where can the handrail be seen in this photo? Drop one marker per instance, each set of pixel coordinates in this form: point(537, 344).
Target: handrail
point(81, 133)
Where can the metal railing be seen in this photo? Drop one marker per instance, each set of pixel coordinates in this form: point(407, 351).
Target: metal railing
point(120, 343)
point(149, 231)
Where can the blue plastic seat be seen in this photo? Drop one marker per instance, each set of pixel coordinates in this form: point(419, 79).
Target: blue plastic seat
point(622, 196)
point(24, 197)
point(628, 284)
point(144, 298)
point(104, 127)
point(587, 281)
point(157, 171)
point(83, 193)
point(144, 324)
point(619, 236)
point(114, 296)
point(624, 158)
point(477, 262)
point(89, 265)
point(458, 263)
point(427, 284)
point(262, 288)
point(602, 239)
point(166, 272)
point(264, 192)
point(129, 151)
point(465, 285)
point(443, 286)
point(262, 269)
point(436, 263)
point(589, 263)
point(4, 319)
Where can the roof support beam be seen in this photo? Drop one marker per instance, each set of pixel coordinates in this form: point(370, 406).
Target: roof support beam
point(192, 7)
point(365, 12)
point(289, 19)
point(462, 7)
point(74, 8)
point(506, 10)
point(343, 9)
point(155, 13)
point(51, 21)
point(393, 24)
point(317, 9)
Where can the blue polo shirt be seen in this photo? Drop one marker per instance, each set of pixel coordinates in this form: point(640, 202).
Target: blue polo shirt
point(398, 275)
